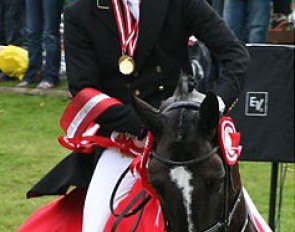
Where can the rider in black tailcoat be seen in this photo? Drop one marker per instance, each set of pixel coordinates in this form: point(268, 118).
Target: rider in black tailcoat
point(92, 51)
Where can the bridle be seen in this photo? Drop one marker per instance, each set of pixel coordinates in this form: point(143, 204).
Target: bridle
point(227, 215)
point(188, 105)
point(144, 198)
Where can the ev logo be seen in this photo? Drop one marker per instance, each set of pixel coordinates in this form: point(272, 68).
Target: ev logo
point(256, 103)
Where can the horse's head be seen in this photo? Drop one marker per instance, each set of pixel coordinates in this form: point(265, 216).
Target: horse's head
point(186, 172)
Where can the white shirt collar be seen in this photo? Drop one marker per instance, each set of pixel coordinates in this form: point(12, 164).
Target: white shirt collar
point(133, 6)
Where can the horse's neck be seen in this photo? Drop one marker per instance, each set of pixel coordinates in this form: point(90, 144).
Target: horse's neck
point(235, 183)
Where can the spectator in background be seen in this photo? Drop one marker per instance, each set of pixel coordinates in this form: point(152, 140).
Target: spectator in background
point(248, 19)
point(282, 6)
point(71, 1)
point(218, 5)
point(12, 14)
point(281, 11)
point(2, 27)
point(43, 21)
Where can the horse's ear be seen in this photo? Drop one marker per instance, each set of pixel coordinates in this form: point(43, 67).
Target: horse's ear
point(149, 115)
point(209, 112)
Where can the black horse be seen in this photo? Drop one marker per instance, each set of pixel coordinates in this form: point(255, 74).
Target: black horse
point(197, 189)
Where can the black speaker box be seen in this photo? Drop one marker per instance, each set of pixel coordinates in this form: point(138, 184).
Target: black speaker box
point(265, 111)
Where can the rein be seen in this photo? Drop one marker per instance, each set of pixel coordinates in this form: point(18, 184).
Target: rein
point(128, 211)
point(225, 224)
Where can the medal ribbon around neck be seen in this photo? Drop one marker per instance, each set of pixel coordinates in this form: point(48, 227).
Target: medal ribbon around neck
point(128, 33)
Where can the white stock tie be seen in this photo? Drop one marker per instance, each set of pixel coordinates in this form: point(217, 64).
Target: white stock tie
point(133, 7)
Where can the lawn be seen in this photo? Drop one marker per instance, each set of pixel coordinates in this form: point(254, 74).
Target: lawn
point(29, 127)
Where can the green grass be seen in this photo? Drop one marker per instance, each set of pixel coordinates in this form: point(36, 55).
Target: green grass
point(256, 179)
point(28, 149)
point(29, 127)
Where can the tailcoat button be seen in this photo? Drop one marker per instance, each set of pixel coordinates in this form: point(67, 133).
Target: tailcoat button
point(161, 88)
point(158, 69)
point(137, 92)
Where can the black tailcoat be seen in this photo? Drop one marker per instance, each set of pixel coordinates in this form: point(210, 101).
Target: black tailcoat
point(93, 49)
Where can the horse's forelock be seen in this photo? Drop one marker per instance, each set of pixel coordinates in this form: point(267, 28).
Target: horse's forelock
point(183, 122)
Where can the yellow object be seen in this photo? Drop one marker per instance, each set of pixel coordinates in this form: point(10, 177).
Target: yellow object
point(14, 61)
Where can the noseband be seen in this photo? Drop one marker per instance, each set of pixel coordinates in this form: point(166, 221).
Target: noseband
point(170, 162)
point(227, 216)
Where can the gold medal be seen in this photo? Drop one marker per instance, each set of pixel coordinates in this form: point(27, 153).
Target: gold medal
point(126, 64)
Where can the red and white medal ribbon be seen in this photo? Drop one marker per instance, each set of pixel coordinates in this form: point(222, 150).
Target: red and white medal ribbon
point(139, 165)
point(229, 141)
point(128, 33)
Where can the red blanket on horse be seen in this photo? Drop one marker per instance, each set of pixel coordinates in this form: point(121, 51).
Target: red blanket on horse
point(65, 215)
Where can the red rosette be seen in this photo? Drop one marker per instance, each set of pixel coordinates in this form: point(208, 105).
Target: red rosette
point(229, 140)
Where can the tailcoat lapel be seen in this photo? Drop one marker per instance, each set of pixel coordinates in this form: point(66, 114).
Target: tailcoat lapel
point(152, 14)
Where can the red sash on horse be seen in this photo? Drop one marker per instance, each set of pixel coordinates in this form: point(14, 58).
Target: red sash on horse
point(65, 215)
point(151, 220)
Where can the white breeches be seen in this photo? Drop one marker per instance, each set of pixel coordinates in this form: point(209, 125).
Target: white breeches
point(106, 174)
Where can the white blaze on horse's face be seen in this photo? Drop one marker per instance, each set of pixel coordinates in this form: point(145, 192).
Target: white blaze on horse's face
point(182, 177)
